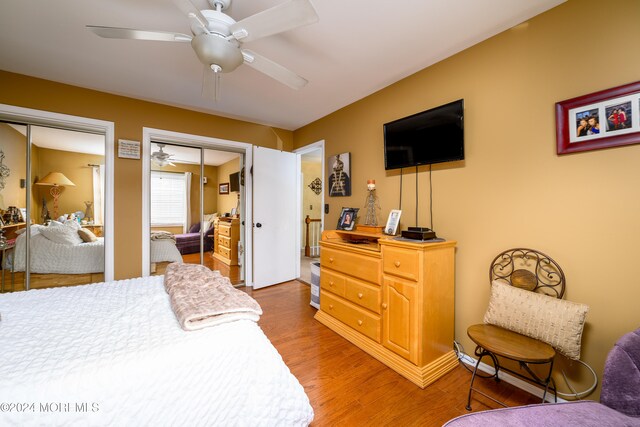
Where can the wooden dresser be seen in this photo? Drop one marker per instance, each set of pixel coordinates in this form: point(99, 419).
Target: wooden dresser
point(392, 298)
point(226, 234)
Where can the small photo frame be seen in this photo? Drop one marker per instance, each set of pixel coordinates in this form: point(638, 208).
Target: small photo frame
point(1, 221)
point(23, 214)
point(392, 222)
point(223, 188)
point(234, 211)
point(348, 219)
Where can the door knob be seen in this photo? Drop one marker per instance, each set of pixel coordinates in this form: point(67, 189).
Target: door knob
point(258, 225)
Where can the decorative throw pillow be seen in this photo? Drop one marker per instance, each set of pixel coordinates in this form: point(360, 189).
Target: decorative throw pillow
point(210, 217)
point(195, 228)
point(64, 234)
point(87, 235)
point(557, 322)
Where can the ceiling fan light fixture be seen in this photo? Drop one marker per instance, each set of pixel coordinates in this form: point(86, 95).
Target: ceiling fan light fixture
point(213, 49)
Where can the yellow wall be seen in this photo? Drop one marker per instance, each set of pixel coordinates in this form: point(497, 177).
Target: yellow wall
point(130, 116)
point(227, 201)
point(311, 202)
point(512, 189)
point(75, 167)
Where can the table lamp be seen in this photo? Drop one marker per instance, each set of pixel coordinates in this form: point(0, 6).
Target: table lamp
point(55, 180)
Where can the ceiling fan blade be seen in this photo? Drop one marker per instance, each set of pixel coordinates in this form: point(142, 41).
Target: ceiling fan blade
point(280, 18)
point(188, 8)
point(273, 70)
point(129, 33)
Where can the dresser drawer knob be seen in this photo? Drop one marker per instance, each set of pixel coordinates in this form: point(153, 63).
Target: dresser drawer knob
point(330, 306)
point(384, 305)
point(359, 322)
point(397, 263)
point(331, 259)
point(360, 295)
point(331, 283)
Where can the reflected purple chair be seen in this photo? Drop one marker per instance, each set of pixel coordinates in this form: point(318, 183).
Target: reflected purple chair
point(619, 399)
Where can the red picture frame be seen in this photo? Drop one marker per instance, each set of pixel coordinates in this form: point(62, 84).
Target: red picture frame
point(604, 119)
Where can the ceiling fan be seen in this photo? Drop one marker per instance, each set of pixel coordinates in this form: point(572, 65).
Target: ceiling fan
point(217, 38)
point(160, 158)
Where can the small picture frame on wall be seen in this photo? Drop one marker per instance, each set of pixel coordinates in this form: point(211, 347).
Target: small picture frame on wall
point(392, 222)
point(609, 118)
point(223, 188)
point(347, 219)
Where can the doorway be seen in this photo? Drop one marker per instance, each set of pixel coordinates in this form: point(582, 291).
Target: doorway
point(311, 217)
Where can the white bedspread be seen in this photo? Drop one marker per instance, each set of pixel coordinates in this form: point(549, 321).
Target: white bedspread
point(51, 257)
point(165, 250)
point(113, 354)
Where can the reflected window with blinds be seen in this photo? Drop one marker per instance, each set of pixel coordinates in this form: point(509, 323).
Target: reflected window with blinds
point(168, 196)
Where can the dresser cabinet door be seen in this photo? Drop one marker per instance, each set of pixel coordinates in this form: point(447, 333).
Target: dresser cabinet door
point(400, 332)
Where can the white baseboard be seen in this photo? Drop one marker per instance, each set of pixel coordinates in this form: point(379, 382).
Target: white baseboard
point(508, 378)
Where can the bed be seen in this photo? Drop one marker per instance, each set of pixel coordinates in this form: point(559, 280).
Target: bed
point(113, 354)
point(49, 257)
point(57, 258)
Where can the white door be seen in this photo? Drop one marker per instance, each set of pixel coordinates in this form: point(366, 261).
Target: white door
point(274, 217)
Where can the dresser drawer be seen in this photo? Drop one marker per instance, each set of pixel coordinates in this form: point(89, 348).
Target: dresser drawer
point(225, 252)
point(362, 321)
point(224, 230)
point(224, 242)
point(331, 281)
point(363, 294)
point(364, 267)
point(401, 262)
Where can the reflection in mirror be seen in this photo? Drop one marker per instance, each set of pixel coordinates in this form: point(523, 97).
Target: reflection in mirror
point(227, 255)
point(175, 206)
point(13, 196)
point(66, 212)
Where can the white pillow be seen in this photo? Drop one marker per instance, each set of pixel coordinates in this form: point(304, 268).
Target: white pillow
point(65, 234)
point(205, 226)
point(557, 322)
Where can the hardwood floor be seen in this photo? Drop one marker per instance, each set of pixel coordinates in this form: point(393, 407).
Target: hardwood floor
point(347, 387)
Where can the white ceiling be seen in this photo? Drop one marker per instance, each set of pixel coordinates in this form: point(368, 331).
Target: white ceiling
point(357, 48)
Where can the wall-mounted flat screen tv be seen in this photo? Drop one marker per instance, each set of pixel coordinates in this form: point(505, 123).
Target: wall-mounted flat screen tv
point(234, 181)
point(432, 136)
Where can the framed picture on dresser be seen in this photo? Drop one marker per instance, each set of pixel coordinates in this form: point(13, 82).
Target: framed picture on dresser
point(347, 219)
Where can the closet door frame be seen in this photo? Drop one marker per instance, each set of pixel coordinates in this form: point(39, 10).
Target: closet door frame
point(29, 116)
point(169, 137)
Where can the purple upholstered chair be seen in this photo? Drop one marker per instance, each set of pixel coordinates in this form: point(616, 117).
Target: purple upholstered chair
point(619, 399)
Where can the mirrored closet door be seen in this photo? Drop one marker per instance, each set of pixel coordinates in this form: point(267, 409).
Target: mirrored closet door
point(195, 214)
point(52, 207)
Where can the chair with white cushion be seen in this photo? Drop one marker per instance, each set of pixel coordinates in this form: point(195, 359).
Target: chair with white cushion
point(527, 321)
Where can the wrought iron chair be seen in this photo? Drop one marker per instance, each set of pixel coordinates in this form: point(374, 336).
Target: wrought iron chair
point(533, 271)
